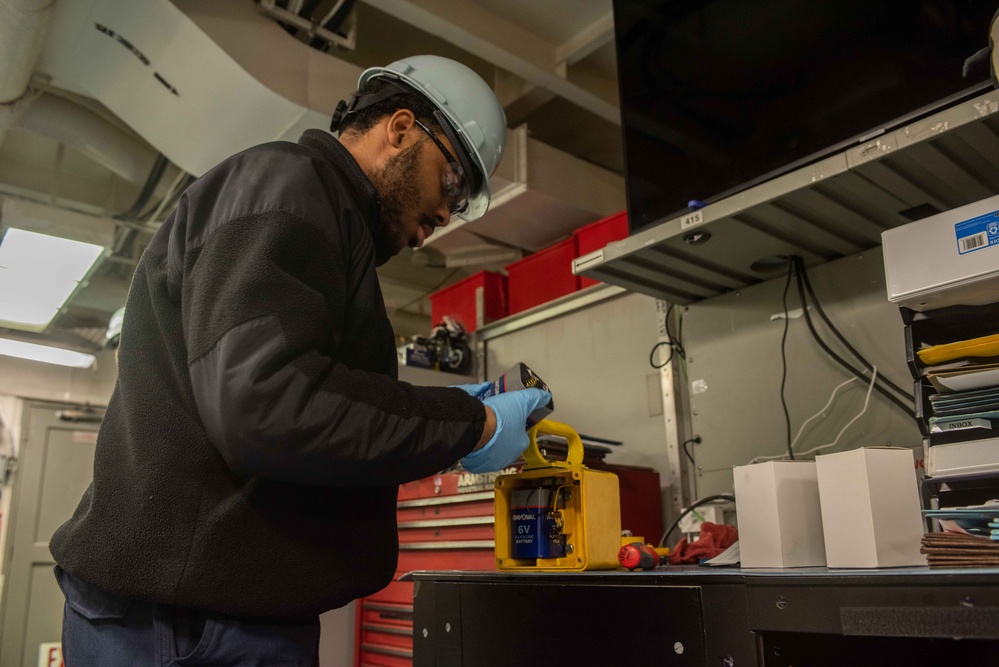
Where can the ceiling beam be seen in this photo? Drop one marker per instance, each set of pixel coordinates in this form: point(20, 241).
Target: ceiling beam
point(500, 42)
point(587, 41)
point(55, 221)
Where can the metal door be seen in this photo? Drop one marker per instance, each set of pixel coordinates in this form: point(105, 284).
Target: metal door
point(55, 468)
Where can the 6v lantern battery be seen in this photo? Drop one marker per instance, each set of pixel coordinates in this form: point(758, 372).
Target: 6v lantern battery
point(521, 377)
point(534, 526)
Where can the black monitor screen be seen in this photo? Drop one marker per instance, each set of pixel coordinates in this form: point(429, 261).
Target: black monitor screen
point(718, 95)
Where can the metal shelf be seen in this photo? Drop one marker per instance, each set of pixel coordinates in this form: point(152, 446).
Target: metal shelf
point(829, 209)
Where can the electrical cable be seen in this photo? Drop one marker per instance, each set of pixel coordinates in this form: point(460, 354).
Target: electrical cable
point(696, 440)
point(783, 359)
point(817, 414)
point(910, 412)
point(867, 400)
point(172, 194)
point(821, 411)
point(673, 342)
point(694, 506)
point(839, 335)
point(155, 174)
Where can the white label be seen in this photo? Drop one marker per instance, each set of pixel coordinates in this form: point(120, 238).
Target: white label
point(978, 232)
point(50, 655)
point(692, 219)
point(698, 387)
point(85, 437)
point(943, 427)
point(474, 482)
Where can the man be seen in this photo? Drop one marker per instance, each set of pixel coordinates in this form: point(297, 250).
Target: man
point(246, 471)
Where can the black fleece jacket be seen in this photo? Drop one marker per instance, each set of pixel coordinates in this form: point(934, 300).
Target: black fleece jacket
point(250, 457)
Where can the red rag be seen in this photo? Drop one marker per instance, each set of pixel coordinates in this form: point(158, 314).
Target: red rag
point(713, 540)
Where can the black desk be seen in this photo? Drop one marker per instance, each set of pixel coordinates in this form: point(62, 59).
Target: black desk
point(699, 616)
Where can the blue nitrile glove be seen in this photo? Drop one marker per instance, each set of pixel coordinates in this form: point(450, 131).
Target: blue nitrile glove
point(472, 390)
point(510, 440)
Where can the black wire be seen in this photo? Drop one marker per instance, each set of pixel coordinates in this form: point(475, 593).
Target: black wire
point(155, 174)
point(679, 334)
point(674, 343)
point(909, 411)
point(842, 339)
point(170, 203)
point(783, 359)
point(333, 25)
point(686, 451)
point(702, 501)
point(652, 354)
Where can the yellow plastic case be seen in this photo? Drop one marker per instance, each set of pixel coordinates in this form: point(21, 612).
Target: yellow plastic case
point(588, 501)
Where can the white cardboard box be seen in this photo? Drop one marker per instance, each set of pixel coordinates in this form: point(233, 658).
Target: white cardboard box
point(870, 508)
point(780, 523)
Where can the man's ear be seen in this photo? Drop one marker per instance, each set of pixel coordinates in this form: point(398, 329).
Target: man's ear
point(400, 128)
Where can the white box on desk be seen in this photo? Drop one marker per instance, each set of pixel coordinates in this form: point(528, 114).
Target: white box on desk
point(780, 522)
point(870, 508)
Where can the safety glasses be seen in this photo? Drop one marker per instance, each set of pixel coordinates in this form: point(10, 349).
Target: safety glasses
point(454, 182)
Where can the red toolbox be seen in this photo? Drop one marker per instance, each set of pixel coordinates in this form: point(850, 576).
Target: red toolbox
point(598, 234)
point(445, 523)
point(474, 301)
point(543, 276)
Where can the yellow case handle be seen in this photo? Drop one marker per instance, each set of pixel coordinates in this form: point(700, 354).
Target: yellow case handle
point(532, 455)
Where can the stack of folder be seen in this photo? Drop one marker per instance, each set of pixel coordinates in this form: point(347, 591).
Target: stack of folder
point(961, 406)
point(959, 550)
point(968, 387)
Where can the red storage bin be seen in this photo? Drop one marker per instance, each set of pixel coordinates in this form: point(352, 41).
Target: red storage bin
point(461, 302)
point(543, 276)
point(598, 234)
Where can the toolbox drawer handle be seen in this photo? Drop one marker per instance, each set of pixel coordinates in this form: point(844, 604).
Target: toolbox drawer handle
point(385, 650)
point(399, 609)
point(444, 523)
point(387, 629)
point(453, 544)
point(446, 500)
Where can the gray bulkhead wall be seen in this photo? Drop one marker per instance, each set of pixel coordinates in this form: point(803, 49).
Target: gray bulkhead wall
point(596, 362)
point(733, 369)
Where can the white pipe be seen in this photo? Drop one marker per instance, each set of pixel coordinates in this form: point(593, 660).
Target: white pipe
point(23, 24)
point(75, 126)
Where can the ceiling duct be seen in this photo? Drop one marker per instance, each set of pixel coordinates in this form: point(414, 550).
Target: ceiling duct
point(197, 80)
point(203, 80)
point(540, 195)
point(73, 125)
point(23, 24)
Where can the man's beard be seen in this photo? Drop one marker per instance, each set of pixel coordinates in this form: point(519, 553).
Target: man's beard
point(399, 192)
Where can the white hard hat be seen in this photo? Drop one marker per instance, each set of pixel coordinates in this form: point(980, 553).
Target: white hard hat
point(470, 107)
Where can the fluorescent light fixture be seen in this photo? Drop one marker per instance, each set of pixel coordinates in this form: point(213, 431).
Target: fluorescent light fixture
point(46, 354)
point(38, 273)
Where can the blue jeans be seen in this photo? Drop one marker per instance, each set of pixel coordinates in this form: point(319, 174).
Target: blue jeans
point(104, 630)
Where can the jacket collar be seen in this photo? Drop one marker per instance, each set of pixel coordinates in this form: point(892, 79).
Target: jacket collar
point(333, 151)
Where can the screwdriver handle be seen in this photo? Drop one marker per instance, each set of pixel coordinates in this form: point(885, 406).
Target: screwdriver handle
point(641, 556)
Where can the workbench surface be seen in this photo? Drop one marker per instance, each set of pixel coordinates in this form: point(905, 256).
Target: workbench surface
point(691, 615)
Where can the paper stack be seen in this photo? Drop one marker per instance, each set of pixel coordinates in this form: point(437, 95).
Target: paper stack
point(959, 550)
point(968, 398)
